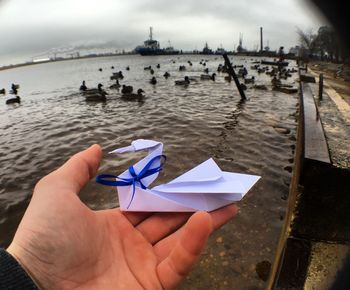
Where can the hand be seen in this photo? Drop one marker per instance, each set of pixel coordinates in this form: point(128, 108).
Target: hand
point(63, 244)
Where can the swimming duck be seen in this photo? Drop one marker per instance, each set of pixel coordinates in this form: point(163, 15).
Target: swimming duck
point(206, 70)
point(228, 78)
point(95, 95)
point(14, 100)
point(112, 67)
point(182, 68)
point(147, 68)
point(166, 75)
point(243, 86)
point(184, 82)
point(127, 68)
point(133, 97)
point(127, 89)
point(158, 65)
point(100, 69)
point(249, 81)
point(83, 87)
point(208, 77)
point(115, 86)
point(153, 81)
point(3, 91)
point(151, 71)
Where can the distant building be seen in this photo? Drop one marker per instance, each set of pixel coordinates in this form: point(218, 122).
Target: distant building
point(41, 59)
point(295, 50)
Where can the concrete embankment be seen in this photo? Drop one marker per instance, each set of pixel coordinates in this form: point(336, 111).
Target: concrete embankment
point(314, 247)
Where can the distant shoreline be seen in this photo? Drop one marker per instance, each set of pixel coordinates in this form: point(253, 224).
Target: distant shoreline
point(60, 59)
point(247, 54)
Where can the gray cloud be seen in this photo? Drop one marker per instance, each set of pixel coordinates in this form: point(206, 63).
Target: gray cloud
point(33, 27)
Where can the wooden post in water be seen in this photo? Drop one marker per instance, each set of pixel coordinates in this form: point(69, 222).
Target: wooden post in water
point(320, 87)
point(234, 76)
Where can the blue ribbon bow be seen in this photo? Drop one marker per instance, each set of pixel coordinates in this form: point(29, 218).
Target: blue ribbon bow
point(105, 179)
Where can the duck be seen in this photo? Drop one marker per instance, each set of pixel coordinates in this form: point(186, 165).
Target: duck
point(249, 81)
point(153, 81)
point(115, 86)
point(147, 68)
point(133, 97)
point(166, 75)
point(206, 70)
point(127, 68)
point(127, 89)
point(184, 82)
point(182, 68)
point(260, 87)
point(112, 67)
point(190, 63)
point(151, 71)
point(13, 100)
point(95, 95)
point(83, 87)
point(228, 78)
point(208, 77)
point(100, 69)
point(158, 65)
point(2, 92)
point(243, 86)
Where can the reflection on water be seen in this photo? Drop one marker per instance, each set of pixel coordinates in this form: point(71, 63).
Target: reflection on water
point(205, 119)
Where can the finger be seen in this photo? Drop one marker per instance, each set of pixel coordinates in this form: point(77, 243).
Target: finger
point(219, 218)
point(136, 218)
point(160, 225)
point(77, 171)
point(173, 269)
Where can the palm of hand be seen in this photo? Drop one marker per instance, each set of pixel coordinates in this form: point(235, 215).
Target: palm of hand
point(65, 245)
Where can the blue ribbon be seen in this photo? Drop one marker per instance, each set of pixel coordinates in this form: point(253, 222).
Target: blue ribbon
point(105, 179)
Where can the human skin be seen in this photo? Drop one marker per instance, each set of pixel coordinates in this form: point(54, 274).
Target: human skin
point(63, 244)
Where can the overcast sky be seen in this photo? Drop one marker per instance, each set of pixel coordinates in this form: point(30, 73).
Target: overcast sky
point(29, 28)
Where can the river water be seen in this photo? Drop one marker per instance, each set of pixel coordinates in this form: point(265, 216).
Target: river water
point(206, 119)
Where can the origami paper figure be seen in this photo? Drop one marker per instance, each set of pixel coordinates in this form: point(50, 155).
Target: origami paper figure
point(205, 187)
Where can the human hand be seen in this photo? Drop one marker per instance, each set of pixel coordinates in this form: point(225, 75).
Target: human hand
point(63, 244)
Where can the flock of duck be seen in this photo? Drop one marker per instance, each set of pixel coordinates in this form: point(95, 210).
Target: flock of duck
point(98, 94)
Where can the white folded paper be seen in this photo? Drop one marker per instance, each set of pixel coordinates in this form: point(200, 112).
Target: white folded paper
point(205, 187)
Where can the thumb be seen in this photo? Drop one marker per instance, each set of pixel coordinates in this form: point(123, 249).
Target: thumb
point(76, 172)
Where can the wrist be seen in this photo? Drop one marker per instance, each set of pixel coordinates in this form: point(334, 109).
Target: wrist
point(28, 267)
point(12, 274)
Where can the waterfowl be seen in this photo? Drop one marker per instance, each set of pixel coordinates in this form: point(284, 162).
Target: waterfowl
point(228, 78)
point(190, 63)
point(112, 67)
point(158, 65)
point(100, 69)
point(95, 95)
point(151, 71)
point(115, 86)
point(243, 86)
point(13, 100)
point(117, 75)
point(147, 68)
point(127, 89)
point(184, 82)
point(153, 81)
point(260, 87)
point(208, 77)
point(182, 68)
point(127, 68)
point(166, 75)
point(133, 97)
point(249, 81)
point(3, 91)
point(206, 70)
point(83, 87)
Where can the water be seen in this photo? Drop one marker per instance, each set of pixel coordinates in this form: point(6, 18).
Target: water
point(207, 119)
